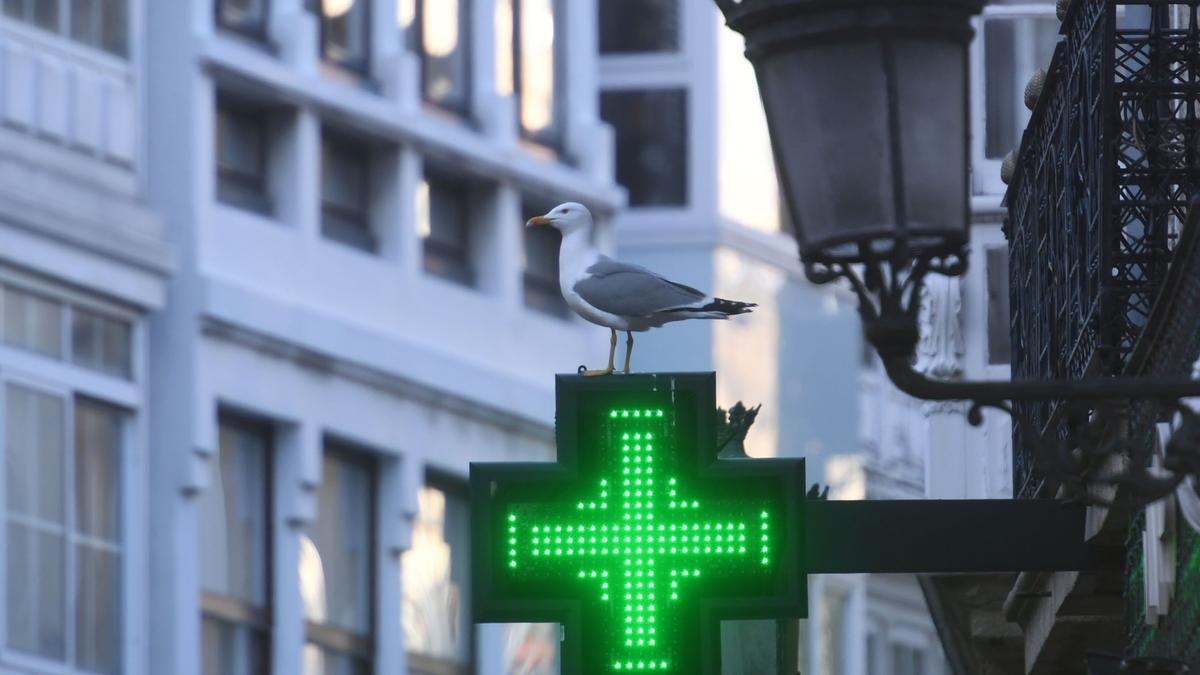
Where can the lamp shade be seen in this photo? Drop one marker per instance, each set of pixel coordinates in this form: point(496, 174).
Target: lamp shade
point(866, 103)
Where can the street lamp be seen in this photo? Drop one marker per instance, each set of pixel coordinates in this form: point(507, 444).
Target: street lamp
point(866, 104)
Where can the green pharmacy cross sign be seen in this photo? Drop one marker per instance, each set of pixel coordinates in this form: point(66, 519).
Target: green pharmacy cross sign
point(639, 540)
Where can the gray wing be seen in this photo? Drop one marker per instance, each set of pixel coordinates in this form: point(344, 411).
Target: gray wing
point(632, 290)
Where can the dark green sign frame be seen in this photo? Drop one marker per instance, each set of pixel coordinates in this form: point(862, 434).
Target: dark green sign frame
point(639, 540)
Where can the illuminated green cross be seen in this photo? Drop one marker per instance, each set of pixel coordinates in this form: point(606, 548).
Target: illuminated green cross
point(647, 539)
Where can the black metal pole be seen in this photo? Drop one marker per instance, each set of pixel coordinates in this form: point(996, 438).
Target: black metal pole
point(970, 535)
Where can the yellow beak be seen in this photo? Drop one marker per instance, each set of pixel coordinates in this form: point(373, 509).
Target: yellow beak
point(537, 220)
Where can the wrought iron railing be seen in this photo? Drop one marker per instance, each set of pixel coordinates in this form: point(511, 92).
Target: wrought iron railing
point(1101, 185)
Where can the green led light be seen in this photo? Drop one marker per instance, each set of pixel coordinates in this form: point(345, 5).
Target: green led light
point(669, 533)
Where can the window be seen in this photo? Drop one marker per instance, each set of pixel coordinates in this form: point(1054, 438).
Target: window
point(529, 66)
point(542, 291)
point(438, 31)
point(235, 552)
point(337, 567)
point(1015, 39)
point(103, 24)
point(444, 221)
point(345, 192)
point(435, 574)
point(96, 340)
point(248, 17)
point(345, 30)
point(63, 528)
point(999, 328)
point(638, 26)
point(242, 144)
point(651, 134)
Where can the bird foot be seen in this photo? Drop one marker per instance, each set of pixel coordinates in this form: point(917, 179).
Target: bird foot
point(595, 373)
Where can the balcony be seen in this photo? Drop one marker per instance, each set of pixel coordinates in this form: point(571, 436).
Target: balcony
point(1098, 197)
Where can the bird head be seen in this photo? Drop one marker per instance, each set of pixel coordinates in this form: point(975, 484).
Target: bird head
point(567, 218)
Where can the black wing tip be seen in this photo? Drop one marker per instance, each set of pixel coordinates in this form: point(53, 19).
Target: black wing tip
point(729, 307)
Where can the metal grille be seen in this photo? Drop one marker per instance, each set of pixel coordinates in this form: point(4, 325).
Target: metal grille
point(1104, 172)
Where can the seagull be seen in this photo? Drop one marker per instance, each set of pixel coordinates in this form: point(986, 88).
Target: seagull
point(617, 295)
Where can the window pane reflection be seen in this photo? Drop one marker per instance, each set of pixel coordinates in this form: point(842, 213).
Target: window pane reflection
point(538, 65)
point(1014, 47)
point(335, 563)
point(532, 649)
point(344, 32)
point(445, 52)
point(434, 575)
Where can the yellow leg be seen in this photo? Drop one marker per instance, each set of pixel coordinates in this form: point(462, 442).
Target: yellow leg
point(612, 354)
point(628, 349)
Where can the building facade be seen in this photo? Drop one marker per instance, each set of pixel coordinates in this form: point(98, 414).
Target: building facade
point(265, 293)
point(83, 267)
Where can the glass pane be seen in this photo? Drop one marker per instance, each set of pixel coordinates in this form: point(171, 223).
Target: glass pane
point(506, 48)
point(35, 454)
point(15, 8)
point(1014, 47)
point(234, 514)
point(230, 649)
point(651, 135)
point(532, 649)
point(97, 470)
point(434, 574)
point(35, 594)
point(99, 342)
point(344, 175)
point(118, 347)
point(344, 32)
point(446, 52)
point(97, 610)
point(538, 64)
point(85, 21)
point(638, 26)
point(999, 330)
point(114, 27)
point(320, 661)
point(335, 559)
point(245, 15)
point(240, 143)
point(87, 333)
point(45, 14)
point(32, 322)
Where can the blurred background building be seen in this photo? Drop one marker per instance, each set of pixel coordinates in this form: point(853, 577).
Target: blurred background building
point(265, 292)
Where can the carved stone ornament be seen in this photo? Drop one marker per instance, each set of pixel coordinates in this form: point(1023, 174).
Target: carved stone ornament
point(941, 349)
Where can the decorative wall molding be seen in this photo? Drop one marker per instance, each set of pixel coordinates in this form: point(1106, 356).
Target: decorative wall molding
point(941, 348)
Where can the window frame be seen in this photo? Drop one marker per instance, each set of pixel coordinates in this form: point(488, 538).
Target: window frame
point(416, 40)
point(450, 485)
point(70, 393)
point(985, 172)
point(328, 637)
point(231, 610)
